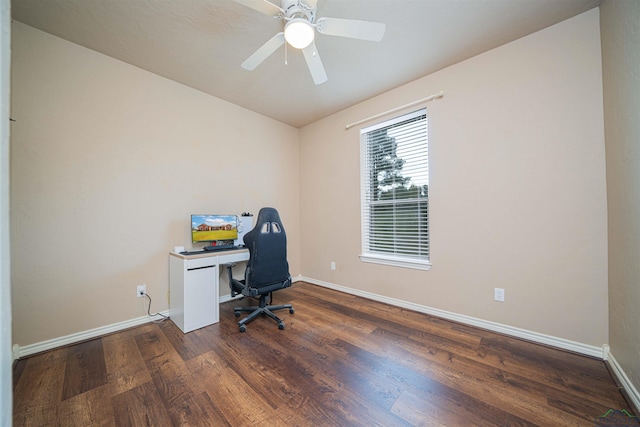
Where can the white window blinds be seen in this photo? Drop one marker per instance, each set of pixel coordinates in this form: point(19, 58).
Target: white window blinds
point(395, 191)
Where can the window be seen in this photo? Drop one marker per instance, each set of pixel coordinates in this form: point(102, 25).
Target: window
point(395, 192)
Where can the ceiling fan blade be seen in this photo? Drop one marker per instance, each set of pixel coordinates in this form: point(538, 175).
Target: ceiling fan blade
point(263, 6)
point(315, 64)
point(263, 52)
point(363, 30)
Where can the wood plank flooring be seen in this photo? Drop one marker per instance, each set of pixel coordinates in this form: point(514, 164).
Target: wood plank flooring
point(341, 361)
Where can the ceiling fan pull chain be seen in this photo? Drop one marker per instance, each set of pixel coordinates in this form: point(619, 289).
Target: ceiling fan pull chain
point(285, 54)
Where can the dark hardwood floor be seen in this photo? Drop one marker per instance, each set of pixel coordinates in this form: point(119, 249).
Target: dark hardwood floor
point(341, 361)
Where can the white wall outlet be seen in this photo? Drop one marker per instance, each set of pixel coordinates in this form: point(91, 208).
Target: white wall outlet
point(141, 291)
point(333, 265)
point(498, 294)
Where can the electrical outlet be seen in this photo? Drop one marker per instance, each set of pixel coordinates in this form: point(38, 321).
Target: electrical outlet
point(141, 291)
point(498, 294)
point(333, 265)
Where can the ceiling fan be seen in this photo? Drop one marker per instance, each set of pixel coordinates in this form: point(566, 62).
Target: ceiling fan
point(299, 27)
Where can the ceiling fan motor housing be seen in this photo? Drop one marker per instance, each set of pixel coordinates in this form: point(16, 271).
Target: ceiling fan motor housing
point(297, 9)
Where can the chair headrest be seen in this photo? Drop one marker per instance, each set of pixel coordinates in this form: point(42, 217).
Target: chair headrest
point(268, 215)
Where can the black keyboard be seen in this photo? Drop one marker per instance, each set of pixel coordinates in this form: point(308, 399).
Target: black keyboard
point(214, 249)
point(221, 248)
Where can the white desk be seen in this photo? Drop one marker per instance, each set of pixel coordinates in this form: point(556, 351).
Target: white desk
point(194, 282)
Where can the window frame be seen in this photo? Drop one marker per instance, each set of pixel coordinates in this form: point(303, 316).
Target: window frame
point(420, 262)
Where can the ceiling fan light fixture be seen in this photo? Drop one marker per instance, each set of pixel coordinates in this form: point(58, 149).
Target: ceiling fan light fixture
point(299, 33)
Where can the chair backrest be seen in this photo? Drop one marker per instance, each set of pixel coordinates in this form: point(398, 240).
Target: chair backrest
point(267, 244)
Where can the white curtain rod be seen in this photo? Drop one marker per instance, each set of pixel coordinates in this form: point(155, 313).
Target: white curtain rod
point(402, 107)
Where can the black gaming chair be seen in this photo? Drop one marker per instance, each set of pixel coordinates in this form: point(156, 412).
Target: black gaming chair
point(267, 269)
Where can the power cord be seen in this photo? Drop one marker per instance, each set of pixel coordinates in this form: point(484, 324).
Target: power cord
point(156, 314)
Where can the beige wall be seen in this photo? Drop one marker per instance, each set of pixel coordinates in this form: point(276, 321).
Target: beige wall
point(620, 22)
point(517, 188)
point(108, 161)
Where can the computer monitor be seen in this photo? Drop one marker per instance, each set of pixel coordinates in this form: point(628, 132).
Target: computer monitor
point(216, 230)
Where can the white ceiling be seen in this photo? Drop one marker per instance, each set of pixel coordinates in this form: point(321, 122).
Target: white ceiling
point(201, 43)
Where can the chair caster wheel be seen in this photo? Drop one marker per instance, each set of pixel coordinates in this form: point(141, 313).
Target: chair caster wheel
point(237, 313)
point(243, 328)
point(281, 326)
point(291, 311)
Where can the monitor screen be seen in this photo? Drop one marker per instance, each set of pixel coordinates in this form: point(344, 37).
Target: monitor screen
point(213, 228)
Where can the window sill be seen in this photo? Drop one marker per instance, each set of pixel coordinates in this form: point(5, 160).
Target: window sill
point(396, 261)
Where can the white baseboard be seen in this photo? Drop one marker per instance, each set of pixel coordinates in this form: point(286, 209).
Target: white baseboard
point(624, 380)
point(561, 343)
point(588, 350)
point(27, 350)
